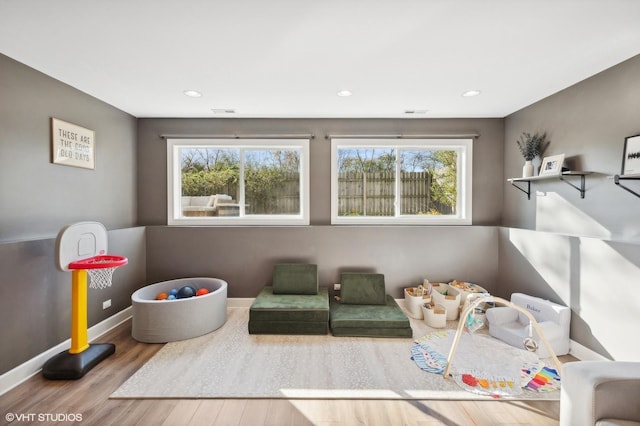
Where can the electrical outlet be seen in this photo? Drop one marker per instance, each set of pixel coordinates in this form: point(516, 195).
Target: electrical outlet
point(106, 304)
point(336, 287)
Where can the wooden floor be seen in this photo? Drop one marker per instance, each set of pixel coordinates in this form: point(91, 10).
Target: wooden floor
point(39, 399)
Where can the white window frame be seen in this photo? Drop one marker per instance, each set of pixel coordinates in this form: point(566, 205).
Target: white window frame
point(464, 147)
point(174, 182)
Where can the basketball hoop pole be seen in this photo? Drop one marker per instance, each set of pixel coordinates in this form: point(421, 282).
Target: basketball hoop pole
point(79, 285)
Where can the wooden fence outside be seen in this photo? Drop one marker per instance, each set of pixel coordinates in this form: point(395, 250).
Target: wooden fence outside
point(359, 194)
point(373, 194)
point(283, 198)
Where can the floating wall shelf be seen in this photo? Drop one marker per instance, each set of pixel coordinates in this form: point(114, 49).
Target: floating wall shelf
point(562, 177)
point(618, 178)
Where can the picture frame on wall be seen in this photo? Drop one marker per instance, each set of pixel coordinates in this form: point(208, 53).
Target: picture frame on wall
point(631, 156)
point(552, 166)
point(72, 145)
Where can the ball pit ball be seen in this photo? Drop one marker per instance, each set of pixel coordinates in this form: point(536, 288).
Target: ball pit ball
point(186, 292)
point(183, 293)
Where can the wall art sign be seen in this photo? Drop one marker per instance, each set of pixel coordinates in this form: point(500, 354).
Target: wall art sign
point(72, 145)
point(631, 156)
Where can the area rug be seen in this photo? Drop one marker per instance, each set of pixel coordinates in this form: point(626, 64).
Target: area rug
point(231, 363)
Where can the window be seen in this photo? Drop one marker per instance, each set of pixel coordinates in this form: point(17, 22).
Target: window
point(395, 181)
point(238, 181)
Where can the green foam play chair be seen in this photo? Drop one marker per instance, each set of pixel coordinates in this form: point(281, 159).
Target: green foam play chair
point(293, 304)
point(365, 310)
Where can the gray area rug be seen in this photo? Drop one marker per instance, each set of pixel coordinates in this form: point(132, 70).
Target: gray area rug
point(230, 363)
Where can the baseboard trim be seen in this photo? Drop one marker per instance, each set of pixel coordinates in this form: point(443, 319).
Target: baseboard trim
point(583, 353)
point(30, 368)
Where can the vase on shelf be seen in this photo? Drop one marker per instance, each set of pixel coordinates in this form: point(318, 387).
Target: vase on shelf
point(527, 169)
point(537, 162)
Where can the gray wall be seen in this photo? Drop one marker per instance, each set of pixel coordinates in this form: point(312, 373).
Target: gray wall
point(584, 253)
point(598, 279)
point(152, 164)
point(244, 257)
point(588, 123)
point(38, 198)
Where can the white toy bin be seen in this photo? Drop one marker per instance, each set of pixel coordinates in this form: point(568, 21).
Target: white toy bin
point(435, 316)
point(449, 297)
point(413, 301)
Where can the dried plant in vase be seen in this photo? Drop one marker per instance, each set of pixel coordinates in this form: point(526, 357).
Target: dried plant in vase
point(531, 146)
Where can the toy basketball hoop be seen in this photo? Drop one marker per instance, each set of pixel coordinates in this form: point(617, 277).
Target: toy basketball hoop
point(100, 268)
point(82, 249)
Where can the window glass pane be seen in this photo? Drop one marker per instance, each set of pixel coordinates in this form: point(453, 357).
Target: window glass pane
point(366, 181)
point(391, 181)
point(429, 182)
point(207, 172)
point(272, 181)
point(232, 182)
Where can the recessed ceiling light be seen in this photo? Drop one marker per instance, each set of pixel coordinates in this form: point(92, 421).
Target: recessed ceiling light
point(470, 93)
point(344, 93)
point(192, 93)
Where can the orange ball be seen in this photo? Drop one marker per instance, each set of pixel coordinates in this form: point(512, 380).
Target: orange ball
point(162, 296)
point(201, 291)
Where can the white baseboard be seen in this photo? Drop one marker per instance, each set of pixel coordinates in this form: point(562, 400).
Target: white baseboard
point(583, 353)
point(28, 369)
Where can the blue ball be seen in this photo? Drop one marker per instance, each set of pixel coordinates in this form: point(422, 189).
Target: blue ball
point(185, 292)
point(173, 291)
point(171, 297)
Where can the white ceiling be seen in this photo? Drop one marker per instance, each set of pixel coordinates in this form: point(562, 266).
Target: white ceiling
point(289, 58)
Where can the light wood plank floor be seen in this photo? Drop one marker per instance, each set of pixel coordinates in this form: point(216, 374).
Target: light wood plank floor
point(89, 398)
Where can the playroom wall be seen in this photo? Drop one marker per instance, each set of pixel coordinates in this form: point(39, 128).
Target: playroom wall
point(584, 253)
point(38, 198)
point(244, 256)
